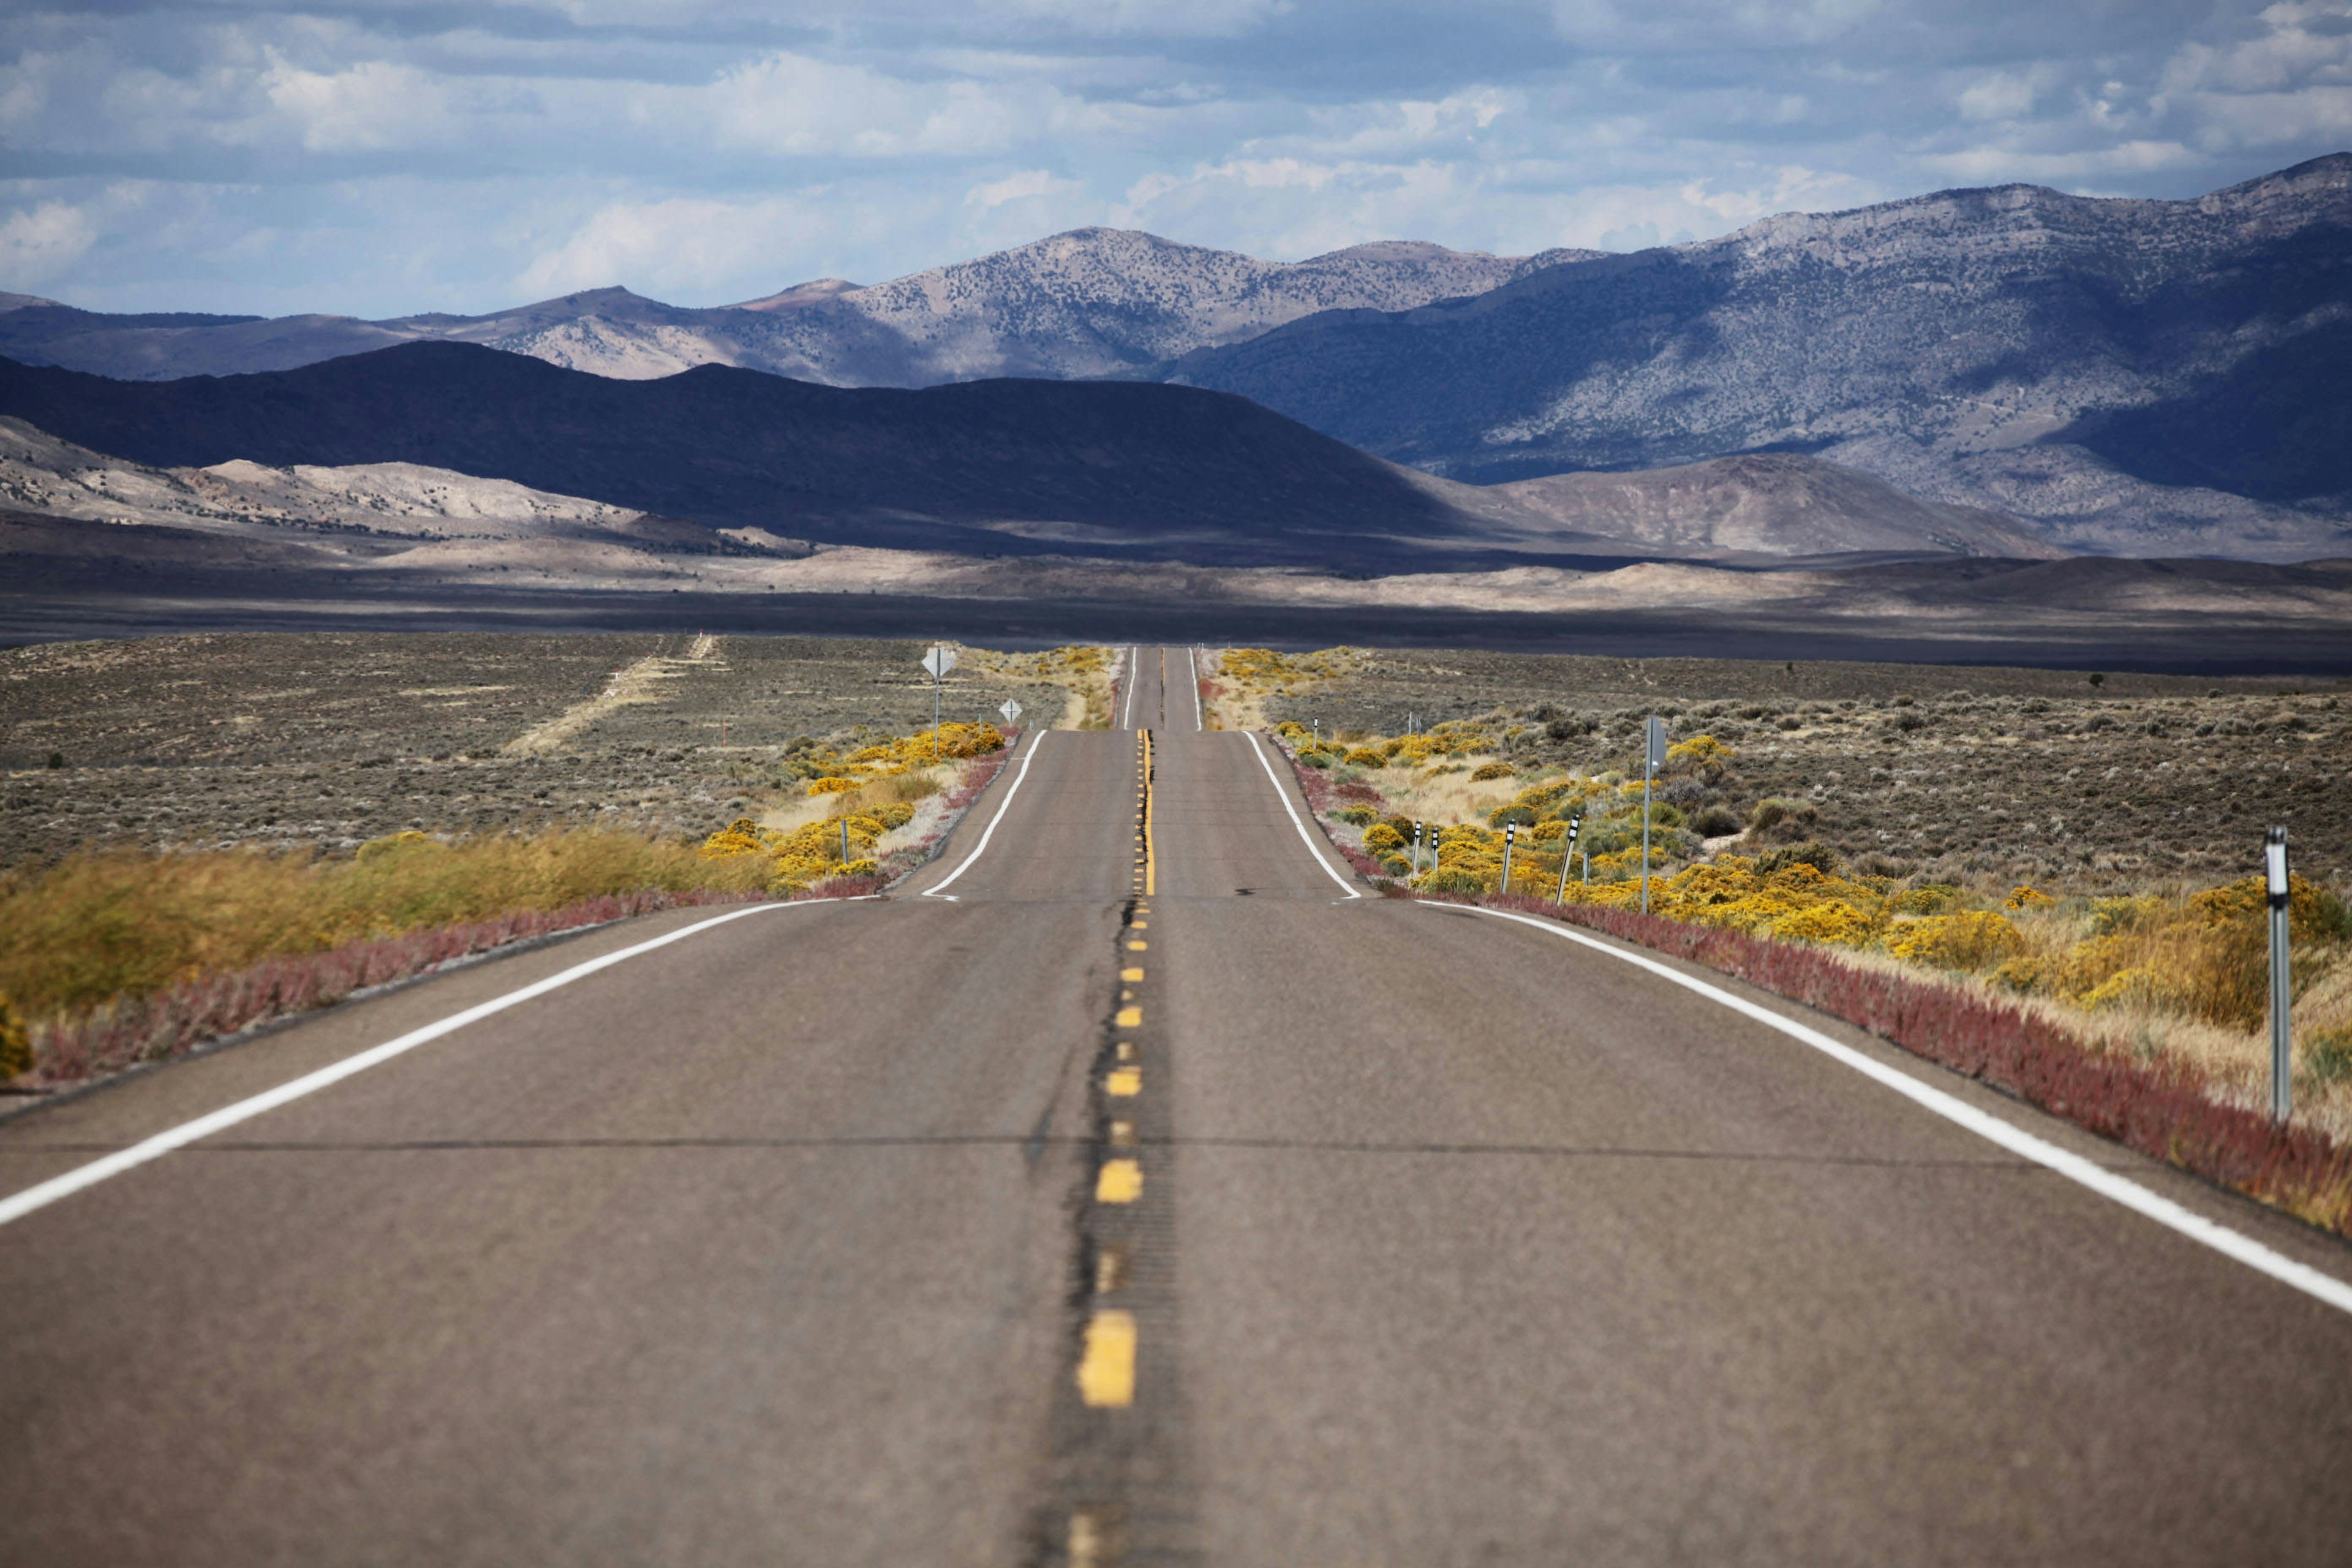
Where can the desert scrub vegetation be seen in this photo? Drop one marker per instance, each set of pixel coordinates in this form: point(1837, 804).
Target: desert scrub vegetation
point(872, 793)
point(1083, 672)
point(326, 742)
point(1962, 773)
point(1239, 682)
point(2176, 971)
point(88, 944)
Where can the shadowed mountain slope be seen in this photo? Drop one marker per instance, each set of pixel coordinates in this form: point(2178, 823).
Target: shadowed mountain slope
point(988, 466)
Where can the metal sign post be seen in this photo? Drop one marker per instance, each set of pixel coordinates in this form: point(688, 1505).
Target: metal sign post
point(1510, 831)
point(2281, 1004)
point(1568, 858)
point(1654, 757)
point(844, 841)
point(938, 661)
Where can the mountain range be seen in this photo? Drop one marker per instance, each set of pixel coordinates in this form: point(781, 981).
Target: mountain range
point(2114, 376)
point(2134, 377)
point(1112, 469)
point(1092, 302)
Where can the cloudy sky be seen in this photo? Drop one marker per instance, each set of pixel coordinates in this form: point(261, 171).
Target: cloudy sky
point(385, 156)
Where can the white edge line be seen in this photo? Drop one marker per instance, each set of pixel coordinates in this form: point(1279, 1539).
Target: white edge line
point(1305, 838)
point(18, 1206)
point(1037, 740)
point(1200, 721)
point(1127, 708)
point(2231, 1244)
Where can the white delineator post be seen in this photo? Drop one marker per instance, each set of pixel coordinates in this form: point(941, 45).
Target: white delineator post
point(1654, 755)
point(2281, 1004)
point(1567, 857)
point(1510, 831)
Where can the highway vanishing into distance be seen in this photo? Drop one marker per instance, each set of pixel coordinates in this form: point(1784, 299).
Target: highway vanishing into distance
point(1132, 1185)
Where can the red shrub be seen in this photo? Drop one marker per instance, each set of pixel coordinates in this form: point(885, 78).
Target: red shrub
point(2158, 1109)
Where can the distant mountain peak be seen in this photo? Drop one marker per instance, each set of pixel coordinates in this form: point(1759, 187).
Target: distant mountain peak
point(814, 292)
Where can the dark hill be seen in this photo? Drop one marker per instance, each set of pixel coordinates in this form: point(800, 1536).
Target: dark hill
point(1099, 467)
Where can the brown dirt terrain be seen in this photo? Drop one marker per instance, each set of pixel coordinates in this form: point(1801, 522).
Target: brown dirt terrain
point(1940, 771)
point(327, 741)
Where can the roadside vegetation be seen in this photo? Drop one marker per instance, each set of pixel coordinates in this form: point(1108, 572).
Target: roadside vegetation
point(90, 943)
point(881, 798)
point(202, 834)
point(2176, 969)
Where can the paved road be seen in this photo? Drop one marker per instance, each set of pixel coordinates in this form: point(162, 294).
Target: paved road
point(1380, 1234)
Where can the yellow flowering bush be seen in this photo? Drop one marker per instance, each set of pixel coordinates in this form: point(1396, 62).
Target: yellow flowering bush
point(884, 759)
point(1971, 941)
point(814, 851)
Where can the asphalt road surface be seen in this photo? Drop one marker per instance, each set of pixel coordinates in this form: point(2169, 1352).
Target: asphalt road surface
point(1137, 1190)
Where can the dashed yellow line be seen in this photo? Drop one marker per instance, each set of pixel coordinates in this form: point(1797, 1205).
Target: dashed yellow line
point(1120, 1182)
point(1107, 1370)
point(1124, 1083)
point(1129, 1017)
point(1150, 855)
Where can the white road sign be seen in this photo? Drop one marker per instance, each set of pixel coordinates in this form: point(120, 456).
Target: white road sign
point(1012, 710)
point(938, 662)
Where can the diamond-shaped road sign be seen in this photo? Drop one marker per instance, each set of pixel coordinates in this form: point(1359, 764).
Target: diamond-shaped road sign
point(938, 662)
point(1012, 710)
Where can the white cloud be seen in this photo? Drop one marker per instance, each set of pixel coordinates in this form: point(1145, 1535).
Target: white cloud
point(681, 246)
point(1028, 185)
point(39, 244)
point(382, 157)
point(796, 105)
point(2003, 95)
point(373, 104)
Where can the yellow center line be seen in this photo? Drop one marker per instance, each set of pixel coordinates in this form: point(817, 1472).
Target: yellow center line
point(1131, 974)
point(1129, 1018)
point(1124, 1083)
point(1120, 1182)
point(1151, 853)
point(1107, 1370)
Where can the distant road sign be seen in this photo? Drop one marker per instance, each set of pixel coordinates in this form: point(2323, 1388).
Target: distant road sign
point(938, 662)
point(1657, 743)
point(1012, 710)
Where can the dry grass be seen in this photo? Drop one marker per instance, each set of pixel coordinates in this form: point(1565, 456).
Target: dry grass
point(1083, 672)
point(100, 926)
point(1445, 795)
